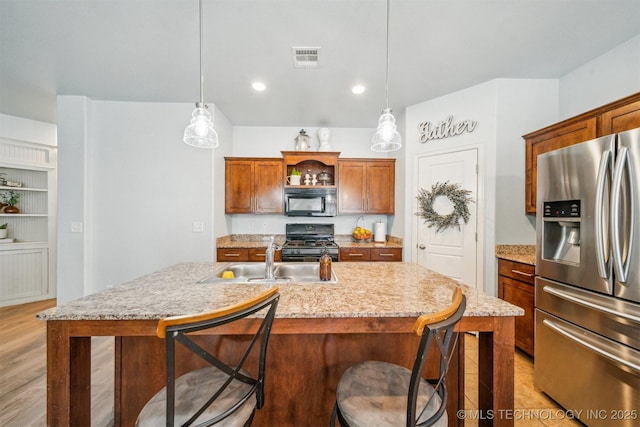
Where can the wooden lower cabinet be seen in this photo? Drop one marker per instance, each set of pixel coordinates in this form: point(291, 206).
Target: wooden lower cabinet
point(516, 284)
point(244, 255)
point(370, 254)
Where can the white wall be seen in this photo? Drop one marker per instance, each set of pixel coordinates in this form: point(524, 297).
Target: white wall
point(478, 104)
point(136, 187)
point(22, 129)
point(522, 106)
point(221, 224)
point(609, 77)
point(504, 110)
point(74, 195)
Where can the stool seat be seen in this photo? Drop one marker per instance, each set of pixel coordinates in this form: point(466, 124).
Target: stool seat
point(189, 398)
point(230, 388)
point(374, 393)
point(381, 394)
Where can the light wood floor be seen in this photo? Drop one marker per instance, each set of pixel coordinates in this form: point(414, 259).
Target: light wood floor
point(23, 377)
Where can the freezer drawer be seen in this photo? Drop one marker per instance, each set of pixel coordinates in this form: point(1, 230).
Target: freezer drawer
point(602, 314)
point(596, 378)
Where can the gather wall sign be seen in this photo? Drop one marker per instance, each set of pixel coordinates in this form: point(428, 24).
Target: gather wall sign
point(444, 129)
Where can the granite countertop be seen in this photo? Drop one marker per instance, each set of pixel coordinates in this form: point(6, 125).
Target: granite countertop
point(364, 289)
point(525, 254)
point(262, 241)
point(248, 240)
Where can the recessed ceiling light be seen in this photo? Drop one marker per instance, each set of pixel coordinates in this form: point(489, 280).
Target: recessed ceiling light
point(358, 89)
point(259, 86)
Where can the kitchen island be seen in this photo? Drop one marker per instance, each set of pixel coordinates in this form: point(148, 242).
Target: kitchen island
point(319, 331)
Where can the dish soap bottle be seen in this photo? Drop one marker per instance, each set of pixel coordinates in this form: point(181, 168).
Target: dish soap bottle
point(325, 266)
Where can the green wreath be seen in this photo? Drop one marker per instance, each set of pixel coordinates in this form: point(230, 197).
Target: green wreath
point(453, 192)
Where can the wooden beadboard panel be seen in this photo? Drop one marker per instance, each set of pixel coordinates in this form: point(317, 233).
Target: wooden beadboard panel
point(23, 275)
point(26, 154)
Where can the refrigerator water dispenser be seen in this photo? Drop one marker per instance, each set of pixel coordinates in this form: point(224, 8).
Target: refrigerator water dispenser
point(561, 231)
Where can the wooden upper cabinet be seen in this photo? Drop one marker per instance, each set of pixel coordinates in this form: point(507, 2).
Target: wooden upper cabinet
point(615, 117)
point(380, 187)
point(549, 141)
point(620, 119)
point(366, 186)
point(352, 186)
point(253, 185)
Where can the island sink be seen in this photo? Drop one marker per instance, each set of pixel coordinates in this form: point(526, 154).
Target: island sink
point(254, 272)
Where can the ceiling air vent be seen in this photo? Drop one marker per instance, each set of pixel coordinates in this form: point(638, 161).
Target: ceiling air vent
point(306, 57)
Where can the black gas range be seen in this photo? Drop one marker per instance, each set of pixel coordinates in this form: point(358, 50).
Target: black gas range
point(307, 242)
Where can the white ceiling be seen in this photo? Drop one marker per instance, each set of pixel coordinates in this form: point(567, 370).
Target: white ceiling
point(147, 50)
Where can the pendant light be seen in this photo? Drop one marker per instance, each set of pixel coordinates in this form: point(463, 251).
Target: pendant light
point(386, 137)
point(200, 132)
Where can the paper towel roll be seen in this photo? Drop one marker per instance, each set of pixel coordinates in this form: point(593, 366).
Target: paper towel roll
point(380, 232)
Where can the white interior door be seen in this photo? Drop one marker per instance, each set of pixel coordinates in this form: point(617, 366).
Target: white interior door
point(451, 252)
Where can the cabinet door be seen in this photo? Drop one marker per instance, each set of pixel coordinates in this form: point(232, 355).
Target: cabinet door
point(351, 186)
point(386, 254)
point(380, 197)
point(355, 254)
point(260, 255)
point(522, 295)
point(548, 141)
point(238, 196)
point(268, 190)
point(233, 255)
point(620, 119)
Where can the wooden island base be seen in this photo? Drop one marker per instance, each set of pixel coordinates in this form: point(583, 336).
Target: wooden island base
point(301, 378)
point(302, 373)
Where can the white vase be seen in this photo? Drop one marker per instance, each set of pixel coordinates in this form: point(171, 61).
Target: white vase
point(323, 136)
point(3, 233)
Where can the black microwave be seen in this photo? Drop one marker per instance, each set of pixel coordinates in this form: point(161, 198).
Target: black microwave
point(317, 201)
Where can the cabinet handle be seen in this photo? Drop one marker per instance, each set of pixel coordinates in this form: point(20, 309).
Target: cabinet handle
point(385, 254)
point(260, 254)
point(522, 273)
point(354, 254)
point(231, 255)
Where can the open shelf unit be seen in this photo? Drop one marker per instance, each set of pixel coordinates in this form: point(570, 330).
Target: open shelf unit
point(28, 257)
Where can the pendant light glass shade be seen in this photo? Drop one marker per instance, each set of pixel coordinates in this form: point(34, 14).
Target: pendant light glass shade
point(386, 137)
point(200, 132)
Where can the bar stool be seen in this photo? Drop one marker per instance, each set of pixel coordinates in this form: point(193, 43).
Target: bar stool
point(380, 394)
point(223, 393)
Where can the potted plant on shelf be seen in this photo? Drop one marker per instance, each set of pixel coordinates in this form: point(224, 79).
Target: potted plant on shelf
point(294, 178)
point(11, 198)
point(3, 230)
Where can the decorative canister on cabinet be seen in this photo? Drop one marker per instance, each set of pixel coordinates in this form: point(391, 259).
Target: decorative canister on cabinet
point(302, 141)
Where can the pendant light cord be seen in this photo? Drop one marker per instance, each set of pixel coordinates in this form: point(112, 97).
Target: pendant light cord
point(386, 84)
point(201, 73)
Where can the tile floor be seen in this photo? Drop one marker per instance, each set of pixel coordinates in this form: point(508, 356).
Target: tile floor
point(532, 408)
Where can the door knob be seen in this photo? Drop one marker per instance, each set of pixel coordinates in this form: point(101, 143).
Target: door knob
point(421, 246)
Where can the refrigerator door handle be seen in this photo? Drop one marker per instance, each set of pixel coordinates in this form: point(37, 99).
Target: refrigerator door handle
point(602, 253)
point(577, 300)
point(621, 268)
point(600, 349)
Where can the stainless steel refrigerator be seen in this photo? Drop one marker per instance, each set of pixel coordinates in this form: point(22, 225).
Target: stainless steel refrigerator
point(587, 335)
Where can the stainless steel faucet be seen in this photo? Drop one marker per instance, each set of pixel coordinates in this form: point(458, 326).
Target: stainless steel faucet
point(269, 264)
